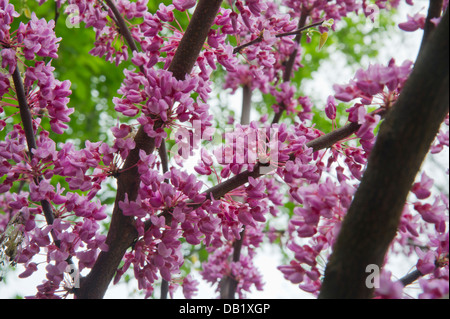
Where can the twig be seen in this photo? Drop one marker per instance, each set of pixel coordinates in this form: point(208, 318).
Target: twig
point(27, 124)
point(410, 278)
point(291, 61)
point(165, 168)
point(320, 143)
point(259, 39)
point(228, 284)
point(122, 26)
point(246, 104)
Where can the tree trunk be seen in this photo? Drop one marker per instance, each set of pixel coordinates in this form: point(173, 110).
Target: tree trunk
point(402, 144)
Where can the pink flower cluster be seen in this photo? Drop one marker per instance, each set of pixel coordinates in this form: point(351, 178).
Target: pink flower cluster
point(171, 208)
point(7, 15)
point(386, 81)
point(319, 217)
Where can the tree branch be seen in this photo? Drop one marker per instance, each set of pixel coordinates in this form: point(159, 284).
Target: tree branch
point(434, 11)
point(291, 61)
point(403, 141)
point(122, 231)
point(408, 279)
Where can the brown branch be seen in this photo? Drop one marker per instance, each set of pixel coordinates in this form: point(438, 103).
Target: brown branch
point(229, 284)
point(403, 141)
point(408, 279)
point(27, 124)
point(122, 232)
point(165, 168)
point(320, 143)
point(120, 21)
point(291, 61)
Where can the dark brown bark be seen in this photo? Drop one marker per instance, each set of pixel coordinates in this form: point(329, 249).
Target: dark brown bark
point(404, 140)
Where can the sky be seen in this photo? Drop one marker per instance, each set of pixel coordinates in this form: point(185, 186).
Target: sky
point(399, 45)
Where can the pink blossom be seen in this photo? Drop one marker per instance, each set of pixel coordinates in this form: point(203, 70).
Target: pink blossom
point(165, 13)
point(39, 38)
point(433, 213)
point(132, 9)
point(414, 22)
point(8, 59)
point(422, 189)
point(132, 208)
point(4, 88)
point(389, 289)
point(189, 286)
point(434, 288)
point(7, 15)
point(30, 268)
point(330, 109)
point(183, 5)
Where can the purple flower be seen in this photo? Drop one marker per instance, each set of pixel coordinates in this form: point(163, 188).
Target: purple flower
point(39, 38)
point(330, 109)
point(52, 95)
point(433, 213)
point(132, 208)
point(427, 261)
point(4, 85)
point(189, 286)
point(413, 23)
point(30, 268)
point(165, 13)
point(389, 289)
point(7, 15)
point(183, 5)
point(294, 272)
point(133, 9)
point(433, 288)
point(9, 59)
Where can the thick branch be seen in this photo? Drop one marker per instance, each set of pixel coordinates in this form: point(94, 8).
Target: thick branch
point(229, 284)
point(434, 11)
point(122, 231)
point(403, 141)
